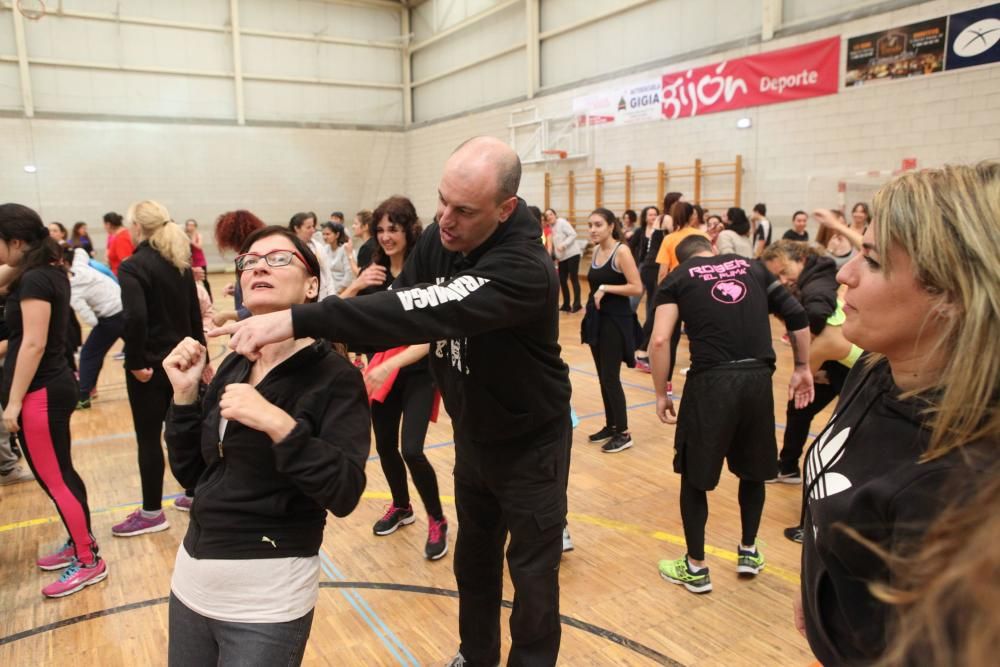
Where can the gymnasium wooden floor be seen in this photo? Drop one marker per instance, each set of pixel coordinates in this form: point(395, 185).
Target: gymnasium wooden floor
point(381, 603)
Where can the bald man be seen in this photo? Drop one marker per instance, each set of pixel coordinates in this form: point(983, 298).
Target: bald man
point(480, 289)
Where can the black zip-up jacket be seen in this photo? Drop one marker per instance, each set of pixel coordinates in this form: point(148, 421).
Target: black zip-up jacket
point(160, 305)
point(248, 488)
point(492, 319)
point(817, 290)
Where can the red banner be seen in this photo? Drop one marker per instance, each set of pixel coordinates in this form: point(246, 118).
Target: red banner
point(789, 74)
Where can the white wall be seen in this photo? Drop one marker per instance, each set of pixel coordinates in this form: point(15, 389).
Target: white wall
point(795, 153)
point(102, 58)
point(86, 168)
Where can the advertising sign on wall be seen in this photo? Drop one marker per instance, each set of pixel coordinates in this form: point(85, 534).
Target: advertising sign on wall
point(638, 103)
point(974, 37)
point(897, 53)
point(789, 74)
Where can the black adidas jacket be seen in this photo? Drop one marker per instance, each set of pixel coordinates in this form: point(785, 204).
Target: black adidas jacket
point(248, 488)
point(864, 472)
point(492, 319)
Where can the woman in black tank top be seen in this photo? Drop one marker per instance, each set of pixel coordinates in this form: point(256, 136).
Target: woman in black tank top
point(609, 325)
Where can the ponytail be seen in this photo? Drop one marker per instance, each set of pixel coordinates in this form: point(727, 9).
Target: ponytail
point(162, 233)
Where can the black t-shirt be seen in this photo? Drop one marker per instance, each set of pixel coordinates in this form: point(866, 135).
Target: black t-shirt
point(49, 284)
point(365, 254)
point(792, 235)
point(723, 301)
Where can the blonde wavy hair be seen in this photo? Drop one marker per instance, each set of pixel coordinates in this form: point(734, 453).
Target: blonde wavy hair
point(945, 220)
point(164, 235)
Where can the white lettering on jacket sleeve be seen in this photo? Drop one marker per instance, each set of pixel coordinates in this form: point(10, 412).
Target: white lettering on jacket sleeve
point(435, 295)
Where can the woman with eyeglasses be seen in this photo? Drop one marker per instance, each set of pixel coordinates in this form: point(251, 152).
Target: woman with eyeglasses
point(161, 308)
point(274, 443)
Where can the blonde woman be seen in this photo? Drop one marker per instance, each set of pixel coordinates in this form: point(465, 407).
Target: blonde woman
point(918, 414)
point(161, 308)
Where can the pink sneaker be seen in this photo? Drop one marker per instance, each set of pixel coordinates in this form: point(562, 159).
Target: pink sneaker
point(60, 558)
point(437, 539)
point(183, 503)
point(642, 364)
point(76, 578)
point(137, 524)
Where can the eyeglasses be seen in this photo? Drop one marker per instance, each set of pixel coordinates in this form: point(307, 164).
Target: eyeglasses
point(276, 258)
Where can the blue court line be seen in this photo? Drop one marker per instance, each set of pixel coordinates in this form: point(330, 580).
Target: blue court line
point(624, 384)
point(377, 625)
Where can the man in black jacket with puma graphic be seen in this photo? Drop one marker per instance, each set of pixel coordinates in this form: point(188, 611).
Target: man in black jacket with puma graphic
point(480, 288)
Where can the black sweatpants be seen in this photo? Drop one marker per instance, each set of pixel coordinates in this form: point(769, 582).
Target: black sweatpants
point(409, 401)
point(798, 420)
point(608, 361)
point(517, 488)
point(149, 402)
point(569, 270)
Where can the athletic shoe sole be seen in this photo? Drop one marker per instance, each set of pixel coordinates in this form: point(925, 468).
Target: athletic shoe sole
point(90, 582)
point(704, 588)
point(53, 568)
point(748, 570)
point(438, 556)
point(402, 522)
point(181, 508)
point(784, 480)
point(617, 449)
point(153, 529)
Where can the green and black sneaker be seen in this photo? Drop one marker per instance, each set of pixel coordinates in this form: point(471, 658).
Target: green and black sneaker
point(749, 562)
point(678, 572)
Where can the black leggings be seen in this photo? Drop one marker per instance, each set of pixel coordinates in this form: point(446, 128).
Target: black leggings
point(649, 285)
point(569, 270)
point(608, 361)
point(694, 514)
point(149, 402)
point(410, 401)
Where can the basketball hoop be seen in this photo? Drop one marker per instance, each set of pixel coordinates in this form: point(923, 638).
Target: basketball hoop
point(552, 153)
point(31, 9)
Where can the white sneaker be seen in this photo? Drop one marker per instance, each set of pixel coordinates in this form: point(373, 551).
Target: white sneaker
point(15, 475)
point(567, 541)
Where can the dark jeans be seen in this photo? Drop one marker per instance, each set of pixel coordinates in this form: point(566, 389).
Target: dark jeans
point(410, 401)
point(569, 270)
point(520, 489)
point(149, 402)
point(100, 340)
point(198, 641)
point(798, 421)
point(608, 361)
